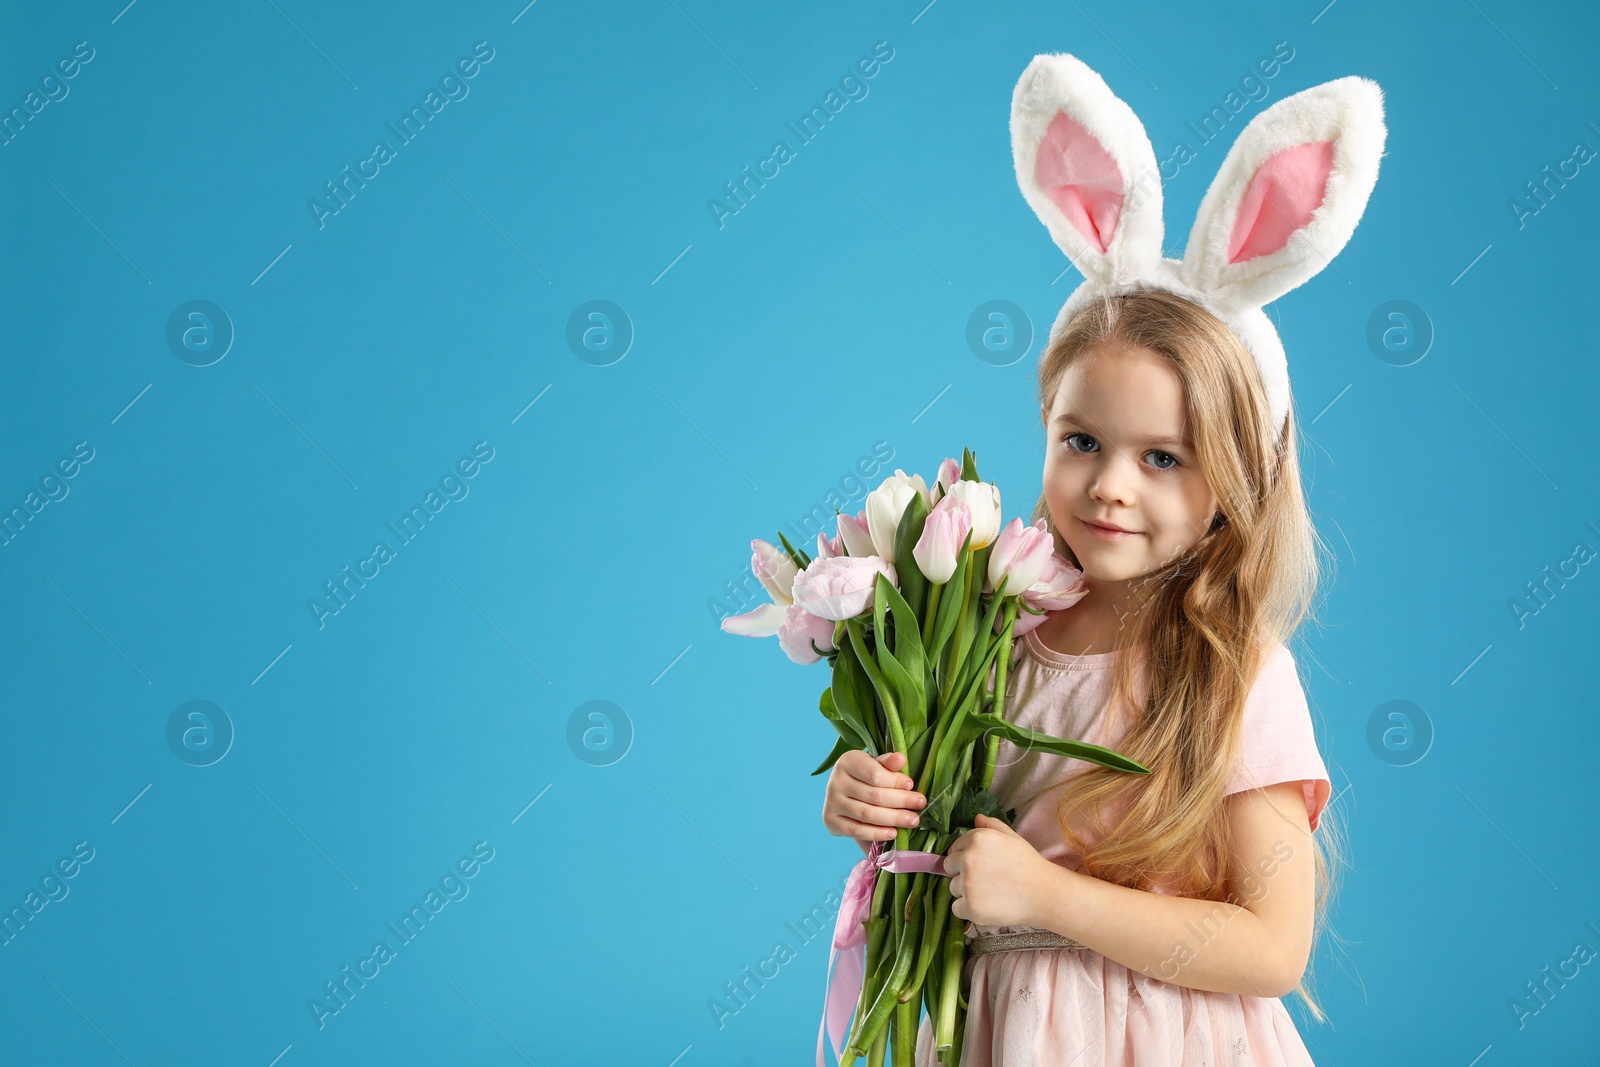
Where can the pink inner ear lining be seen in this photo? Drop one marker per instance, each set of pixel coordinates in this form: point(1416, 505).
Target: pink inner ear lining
point(1080, 177)
point(1283, 194)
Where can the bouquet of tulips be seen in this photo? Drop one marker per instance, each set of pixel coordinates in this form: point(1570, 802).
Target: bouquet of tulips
point(914, 603)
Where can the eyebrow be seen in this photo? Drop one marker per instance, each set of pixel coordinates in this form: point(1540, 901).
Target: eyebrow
point(1069, 417)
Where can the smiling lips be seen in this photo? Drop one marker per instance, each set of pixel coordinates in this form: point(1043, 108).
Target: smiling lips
point(1107, 531)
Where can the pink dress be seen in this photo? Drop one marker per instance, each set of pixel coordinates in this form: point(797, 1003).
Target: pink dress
point(1075, 1007)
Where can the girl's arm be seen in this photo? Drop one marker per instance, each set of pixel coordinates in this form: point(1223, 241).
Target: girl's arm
point(1257, 949)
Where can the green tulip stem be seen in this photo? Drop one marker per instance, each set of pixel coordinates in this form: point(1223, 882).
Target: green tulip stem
point(992, 749)
point(932, 935)
point(875, 1057)
point(961, 662)
point(941, 757)
point(954, 952)
point(886, 1001)
point(957, 648)
point(932, 611)
point(903, 1040)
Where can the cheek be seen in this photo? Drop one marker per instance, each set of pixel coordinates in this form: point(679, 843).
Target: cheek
point(1060, 494)
point(1058, 477)
point(1182, 514)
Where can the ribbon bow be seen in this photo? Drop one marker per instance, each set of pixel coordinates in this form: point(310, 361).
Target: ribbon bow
point(844, 981)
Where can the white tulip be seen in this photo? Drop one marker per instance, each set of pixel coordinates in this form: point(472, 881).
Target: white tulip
point(887, 503)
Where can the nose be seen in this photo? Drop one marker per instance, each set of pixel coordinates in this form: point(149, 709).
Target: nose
point(1113, 479)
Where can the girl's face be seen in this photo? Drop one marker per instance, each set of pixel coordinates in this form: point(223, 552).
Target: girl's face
point(1118, 451)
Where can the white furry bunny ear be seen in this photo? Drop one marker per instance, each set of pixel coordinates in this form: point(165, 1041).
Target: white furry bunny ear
point(1286, 200)
point(1289, 194)
point(1087, 169)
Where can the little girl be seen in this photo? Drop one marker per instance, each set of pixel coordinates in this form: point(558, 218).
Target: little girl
point(1155, 920)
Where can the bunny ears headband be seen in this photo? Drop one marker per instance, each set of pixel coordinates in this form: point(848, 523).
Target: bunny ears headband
point(1287, 198)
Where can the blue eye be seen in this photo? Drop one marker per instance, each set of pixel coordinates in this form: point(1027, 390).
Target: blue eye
point(1073, 448)
point(1169, 455)
point(1066, 439)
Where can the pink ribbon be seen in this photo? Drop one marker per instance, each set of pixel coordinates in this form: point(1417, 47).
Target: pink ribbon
point(844, 981)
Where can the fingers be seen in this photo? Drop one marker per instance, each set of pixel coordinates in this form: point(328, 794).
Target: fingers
point(874, 772)
point(868, 799)
point(849, 827)
point(863, 809)
point(883, 796)
point(857, 764)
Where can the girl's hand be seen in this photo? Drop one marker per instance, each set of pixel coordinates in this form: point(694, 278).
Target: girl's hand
point(867, 799)
point(998, 877)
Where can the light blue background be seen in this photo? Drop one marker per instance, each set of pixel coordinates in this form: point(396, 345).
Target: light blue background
point(770, 355)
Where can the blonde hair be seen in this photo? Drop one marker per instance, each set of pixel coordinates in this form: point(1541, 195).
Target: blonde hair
point(1208, 617)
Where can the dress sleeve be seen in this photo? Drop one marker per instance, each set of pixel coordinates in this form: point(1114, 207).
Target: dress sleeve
point(1277, 742)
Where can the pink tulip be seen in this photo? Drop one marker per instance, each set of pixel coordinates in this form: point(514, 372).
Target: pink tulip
point(936, 550)
point(774, 570)
point(983, 500)
point(1060, 585)
point(949, 474)
point(800, 630)
point(828, 547)
point(840, 588)
point(854, 535)
point(1019, 555)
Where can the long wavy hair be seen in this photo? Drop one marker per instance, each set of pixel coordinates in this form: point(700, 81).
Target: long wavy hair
point(1207, 620)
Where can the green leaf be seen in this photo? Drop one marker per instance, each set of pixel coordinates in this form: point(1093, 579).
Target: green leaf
point(908, 691)
point(967, 636)
point(913, 583)
point(906, 668)
point(969, 466)
point(907, 631)
point(950, 601)
point(937, 815)
point(840, 747)
point(799, 558)
point(852, 698)
point(980, 801)
point(959, 732)
point(847, 732)
point(887, 697)
point(976, 725)
point(917, 756)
